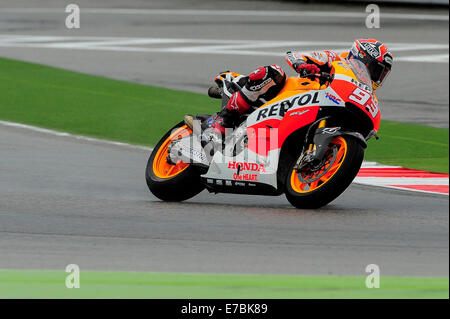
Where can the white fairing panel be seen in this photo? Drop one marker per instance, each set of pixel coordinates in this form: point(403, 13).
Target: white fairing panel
point(245, 167)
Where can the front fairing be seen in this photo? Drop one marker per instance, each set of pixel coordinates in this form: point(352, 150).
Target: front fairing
point(353, 84)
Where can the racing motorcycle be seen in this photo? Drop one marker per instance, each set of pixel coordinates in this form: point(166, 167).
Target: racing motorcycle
point(308, 143)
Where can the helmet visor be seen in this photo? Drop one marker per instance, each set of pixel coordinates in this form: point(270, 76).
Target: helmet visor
point(378, 71)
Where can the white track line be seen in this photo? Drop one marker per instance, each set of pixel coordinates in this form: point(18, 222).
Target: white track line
point(411, 190)
point(20, 38)
point(206, 46)
point(376, 165)
point(381, 181)
point(439, 58)
point(425, 58)
point(73, 136)
point(228, 13)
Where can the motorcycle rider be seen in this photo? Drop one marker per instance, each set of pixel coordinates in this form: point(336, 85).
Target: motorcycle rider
point(243, 94)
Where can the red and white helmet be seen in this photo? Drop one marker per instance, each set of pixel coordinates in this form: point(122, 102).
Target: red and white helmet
point(376, 56)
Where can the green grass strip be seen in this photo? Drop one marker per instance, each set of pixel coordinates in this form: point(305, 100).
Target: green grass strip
point(97, 284)
point(139, 114)
point(413, 146)
point(93, 106)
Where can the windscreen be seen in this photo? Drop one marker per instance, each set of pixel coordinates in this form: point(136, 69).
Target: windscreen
point(361, 72)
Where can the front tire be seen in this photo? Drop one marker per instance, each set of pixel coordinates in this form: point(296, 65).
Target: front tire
point(170, 182)
point(314, 189)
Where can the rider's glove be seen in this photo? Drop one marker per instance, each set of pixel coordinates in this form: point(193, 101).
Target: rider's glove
point(306, 69)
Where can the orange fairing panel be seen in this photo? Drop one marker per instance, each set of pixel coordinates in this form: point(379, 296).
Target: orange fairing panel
point(296, 83)
point(293, 86)
point(344, 55)
point(270, 125)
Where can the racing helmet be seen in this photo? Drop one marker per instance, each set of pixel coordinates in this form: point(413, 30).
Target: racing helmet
point(376, 56)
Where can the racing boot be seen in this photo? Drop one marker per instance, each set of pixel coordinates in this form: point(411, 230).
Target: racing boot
point(214, 128)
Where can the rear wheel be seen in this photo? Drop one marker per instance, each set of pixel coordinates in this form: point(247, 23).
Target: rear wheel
point(167, 181)
point(316, 187)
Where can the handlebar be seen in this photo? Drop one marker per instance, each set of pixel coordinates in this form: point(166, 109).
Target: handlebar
point(323, 77)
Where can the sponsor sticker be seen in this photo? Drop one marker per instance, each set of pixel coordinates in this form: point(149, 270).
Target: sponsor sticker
point(245, 177)
point(388, 59)
point(260, 86)
point(333, 98)
point(330, 130)
point(372, 49)
point(299, 112)
point(242, 167)
point(343, 65)
point(280, 109)
point(362, 85)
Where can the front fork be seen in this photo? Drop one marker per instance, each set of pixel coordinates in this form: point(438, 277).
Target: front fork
point(312, 146)
point(318, 144)
point(308, 156)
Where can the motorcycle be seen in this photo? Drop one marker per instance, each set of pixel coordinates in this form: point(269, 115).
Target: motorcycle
point(308, 143)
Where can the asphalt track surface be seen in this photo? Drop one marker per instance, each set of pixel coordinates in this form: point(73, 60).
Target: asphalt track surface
point(64, 201)
point(67, 201)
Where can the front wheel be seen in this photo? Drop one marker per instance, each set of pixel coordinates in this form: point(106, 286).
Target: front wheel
point(172, 182)
point(316, 187)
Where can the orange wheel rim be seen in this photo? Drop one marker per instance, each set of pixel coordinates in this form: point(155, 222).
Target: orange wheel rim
point(330, 169)
point(161, 168)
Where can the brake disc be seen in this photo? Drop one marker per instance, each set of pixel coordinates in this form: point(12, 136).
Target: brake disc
point(311, 174)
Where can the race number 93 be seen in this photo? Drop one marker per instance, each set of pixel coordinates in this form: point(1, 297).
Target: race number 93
point(361, 97)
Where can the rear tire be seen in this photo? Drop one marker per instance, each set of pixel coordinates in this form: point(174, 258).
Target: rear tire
point(173, 187)
point(316, 196)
